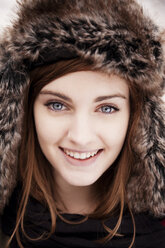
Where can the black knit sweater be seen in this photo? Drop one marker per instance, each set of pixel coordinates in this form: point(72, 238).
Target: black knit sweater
point(150, 233)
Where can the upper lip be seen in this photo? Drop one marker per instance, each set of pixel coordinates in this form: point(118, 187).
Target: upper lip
point(82, 151)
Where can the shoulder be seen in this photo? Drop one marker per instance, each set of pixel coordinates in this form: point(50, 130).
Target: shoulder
point(3, 238)
point(10, 212)
point(150, 232)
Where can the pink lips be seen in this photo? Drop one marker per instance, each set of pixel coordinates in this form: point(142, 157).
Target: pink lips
point(79, 162)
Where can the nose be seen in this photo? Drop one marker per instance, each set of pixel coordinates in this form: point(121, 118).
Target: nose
point(81, 131)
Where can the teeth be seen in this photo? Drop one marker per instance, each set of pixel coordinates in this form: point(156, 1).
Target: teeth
point(78, 155)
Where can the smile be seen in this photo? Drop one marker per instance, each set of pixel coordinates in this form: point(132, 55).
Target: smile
point(78, 158)
point(78, 155)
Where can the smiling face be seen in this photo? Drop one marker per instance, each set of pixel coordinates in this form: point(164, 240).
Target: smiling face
point(81, 121)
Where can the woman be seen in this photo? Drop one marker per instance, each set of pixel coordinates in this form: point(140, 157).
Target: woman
point(82, 126)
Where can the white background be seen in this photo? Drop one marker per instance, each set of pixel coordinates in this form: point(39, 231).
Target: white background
point(153, 8)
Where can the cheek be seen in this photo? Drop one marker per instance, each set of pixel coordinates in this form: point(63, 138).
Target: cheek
point(114, 133)
point(49, 130)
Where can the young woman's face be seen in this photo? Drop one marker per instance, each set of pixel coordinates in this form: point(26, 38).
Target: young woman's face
point(81, 122)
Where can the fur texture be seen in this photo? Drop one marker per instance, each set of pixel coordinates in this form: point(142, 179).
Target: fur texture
point(116, 37)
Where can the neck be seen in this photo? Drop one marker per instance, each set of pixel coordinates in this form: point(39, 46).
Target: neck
point(75, 199)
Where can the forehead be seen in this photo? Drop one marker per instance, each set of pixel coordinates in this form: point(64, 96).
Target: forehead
point(93, 82)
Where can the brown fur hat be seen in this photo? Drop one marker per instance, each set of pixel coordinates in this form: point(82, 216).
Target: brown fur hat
point(118, 38)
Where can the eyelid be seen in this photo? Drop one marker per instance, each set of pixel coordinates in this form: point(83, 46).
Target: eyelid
point(116, 108)
point(49, 102)
point(109, 104)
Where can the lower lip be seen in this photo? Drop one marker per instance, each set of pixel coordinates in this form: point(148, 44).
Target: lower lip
point(80, 162)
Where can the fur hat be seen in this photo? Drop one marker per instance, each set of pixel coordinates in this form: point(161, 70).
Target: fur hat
point(116, 37)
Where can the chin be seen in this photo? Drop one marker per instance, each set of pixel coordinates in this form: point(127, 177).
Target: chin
point(82, 183)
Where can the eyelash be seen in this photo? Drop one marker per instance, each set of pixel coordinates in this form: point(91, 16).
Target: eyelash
point(115, 109)
point(50, 106)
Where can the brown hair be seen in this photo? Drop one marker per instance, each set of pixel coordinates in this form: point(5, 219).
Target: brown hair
point(37, 179)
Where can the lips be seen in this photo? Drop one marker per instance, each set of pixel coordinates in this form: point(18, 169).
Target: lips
point(80, 155)
point(78, 159)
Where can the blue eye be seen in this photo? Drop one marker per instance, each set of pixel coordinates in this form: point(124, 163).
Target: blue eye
point(56, 106)
point(107, 109)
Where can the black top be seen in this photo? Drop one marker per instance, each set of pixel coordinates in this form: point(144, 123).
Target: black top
point(150, 233)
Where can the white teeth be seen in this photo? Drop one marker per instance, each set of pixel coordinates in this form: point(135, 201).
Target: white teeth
point(82, 156)
point(78, 155)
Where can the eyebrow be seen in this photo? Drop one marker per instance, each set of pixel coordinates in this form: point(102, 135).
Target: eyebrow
point(101, 98)
point(68, 99)
point(60, 95)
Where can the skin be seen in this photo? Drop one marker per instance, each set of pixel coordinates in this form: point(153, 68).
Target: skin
point(83, 111)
